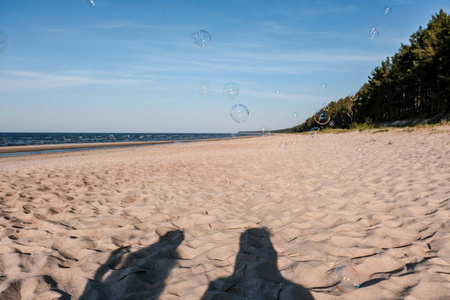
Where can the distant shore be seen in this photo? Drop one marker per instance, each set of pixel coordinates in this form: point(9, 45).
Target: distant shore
point(33, 148)
point(89, 146)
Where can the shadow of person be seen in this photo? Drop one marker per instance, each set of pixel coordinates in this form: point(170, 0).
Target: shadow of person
point(135, 275)
point(256, 274)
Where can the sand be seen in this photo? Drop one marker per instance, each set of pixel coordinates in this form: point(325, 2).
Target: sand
point(53, 147)
point(233, 219)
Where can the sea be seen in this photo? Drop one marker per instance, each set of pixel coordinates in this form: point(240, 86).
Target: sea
point(49, 138)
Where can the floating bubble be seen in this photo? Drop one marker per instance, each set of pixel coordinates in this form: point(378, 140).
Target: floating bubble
point(91, 2)
point(323, 86)
point(231, 91)
point(204, 89)
point(239, 113)
point(202, 38)
point(314, 132)
point(295, 115)
point(283, 145)
point(277, 92)
point(322, 116)
point(346, 278)
point(264, 129)
point(331, 123)
point(373, 33)
point(353, 96)
point(387, 10)
point(4, 43)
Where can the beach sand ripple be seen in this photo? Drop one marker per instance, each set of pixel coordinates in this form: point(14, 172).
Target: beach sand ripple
point(231, 219)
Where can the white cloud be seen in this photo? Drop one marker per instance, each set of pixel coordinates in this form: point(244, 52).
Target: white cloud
point(60, 30)
point(14, 80)
point(260, 63)
point(283, 96)
point(132, 24)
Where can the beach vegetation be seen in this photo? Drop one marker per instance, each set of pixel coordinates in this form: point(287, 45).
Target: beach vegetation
point(412, 87)
point(362, 126)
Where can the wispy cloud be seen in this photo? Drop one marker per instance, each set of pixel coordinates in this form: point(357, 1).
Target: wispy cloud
point(282, 96)
point(153, 68)
point(272, 27)
point(260, 63)
point(13, 80)
point(132, 24)
point(343, 55)
point(60, 30)
point(303, 9)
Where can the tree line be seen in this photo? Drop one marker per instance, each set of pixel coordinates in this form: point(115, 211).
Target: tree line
point(412, 84)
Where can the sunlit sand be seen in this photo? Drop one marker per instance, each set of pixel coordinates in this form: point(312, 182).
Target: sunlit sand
point(231, 218)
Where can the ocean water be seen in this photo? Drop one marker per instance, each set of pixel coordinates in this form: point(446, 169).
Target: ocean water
point(47, 138)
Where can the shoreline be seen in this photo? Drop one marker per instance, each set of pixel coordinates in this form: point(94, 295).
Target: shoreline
point(58, 148)
point(51, 148)
point(81, 146)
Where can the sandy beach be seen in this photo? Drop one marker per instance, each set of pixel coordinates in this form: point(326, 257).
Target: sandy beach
point(255, 218)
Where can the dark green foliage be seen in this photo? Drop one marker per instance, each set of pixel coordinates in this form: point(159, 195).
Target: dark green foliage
point(414, 83)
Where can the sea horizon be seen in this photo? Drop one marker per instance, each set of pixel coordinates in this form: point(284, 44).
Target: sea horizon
point(25, 143)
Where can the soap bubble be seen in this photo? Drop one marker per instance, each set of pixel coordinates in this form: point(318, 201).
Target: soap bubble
point(353, 96)
point(277, 92)
point(322, 116)
point(323, 86)
point(231, 91)
point(239, 113)
point(373, 33)
point(204, 89)
point(331, 123)
point(387, 10)
point(4, 43)
point(314, 132)
point(202, 38)
point(295, 115)
point(91, 2)
point(264, 129)
point(283, 145)
point(260, 144)
point(346, 278)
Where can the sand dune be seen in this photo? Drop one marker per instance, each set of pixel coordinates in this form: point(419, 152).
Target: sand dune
point(234, 219)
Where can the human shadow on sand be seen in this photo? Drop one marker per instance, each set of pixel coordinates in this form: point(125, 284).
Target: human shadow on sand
point(256, 274)
point(135, 275)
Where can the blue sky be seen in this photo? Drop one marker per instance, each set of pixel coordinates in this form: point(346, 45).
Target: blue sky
point(130, 65)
